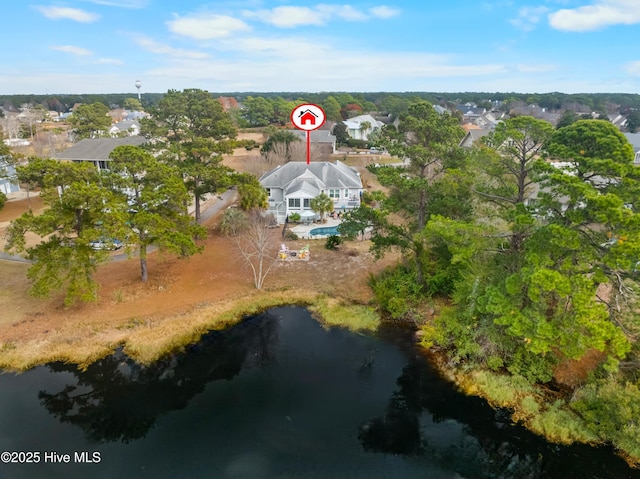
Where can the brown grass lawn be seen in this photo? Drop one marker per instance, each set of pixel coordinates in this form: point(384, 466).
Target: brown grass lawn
point(179, 292)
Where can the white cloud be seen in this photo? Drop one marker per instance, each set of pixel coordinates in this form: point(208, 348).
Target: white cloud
point(344, 12)
point(284, 64)
point(528, 17)
point(288, 17)
point(601, 14)
point(536, 67)
point(71, 49)
point(206, 26)
point(111, 61)
point(633, 68)
point(321, 14)
point(75, 14)
point(122, 4)
point(384, 12)
point(161, 49)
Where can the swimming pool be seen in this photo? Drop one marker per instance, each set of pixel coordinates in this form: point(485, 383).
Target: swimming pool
point(325, 231)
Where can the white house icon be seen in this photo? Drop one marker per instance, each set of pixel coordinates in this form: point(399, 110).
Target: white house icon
point(307, 117)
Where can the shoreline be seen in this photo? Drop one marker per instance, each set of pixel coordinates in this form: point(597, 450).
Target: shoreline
point(148, 340)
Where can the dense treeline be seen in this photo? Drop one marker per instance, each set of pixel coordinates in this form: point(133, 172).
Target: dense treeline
point(64, 103)
point(528, 247)
point(369, 101)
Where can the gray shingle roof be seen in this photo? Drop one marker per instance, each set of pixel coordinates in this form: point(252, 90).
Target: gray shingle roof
point(331, 175)
point(97, 148)
point(317, 136)
point(309, 188)
point(634, 139)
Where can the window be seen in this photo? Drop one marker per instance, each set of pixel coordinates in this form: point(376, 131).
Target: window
point(306, 203)
point(268, 192)
point(294, 202)
point(334, 193)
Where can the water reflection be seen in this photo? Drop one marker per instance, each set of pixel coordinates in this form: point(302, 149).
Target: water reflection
point(278, 396)
point(117, 399)
point(427, 417)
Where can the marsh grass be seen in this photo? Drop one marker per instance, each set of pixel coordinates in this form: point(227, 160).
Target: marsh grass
point(149, 339)
point(500, 390)
point(529, 406)
point(337, 312)
point(559, 424)
point(155, 339)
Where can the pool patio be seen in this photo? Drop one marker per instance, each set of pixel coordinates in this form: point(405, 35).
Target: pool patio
point(302, 230)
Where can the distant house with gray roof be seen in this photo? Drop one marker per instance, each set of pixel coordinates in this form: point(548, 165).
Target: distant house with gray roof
point(473, 136)
point(8, 179)
point(292, 186)
point(97, 150)
point(325, 141)
point(634, 139)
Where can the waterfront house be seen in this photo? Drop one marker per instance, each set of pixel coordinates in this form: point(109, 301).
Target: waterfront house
point(292, 186)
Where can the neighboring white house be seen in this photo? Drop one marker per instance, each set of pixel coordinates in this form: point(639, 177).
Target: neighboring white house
point(8, 180)
point(361, 126)
point(292, 186)
point(97, 150)
point(125, 128)
point(634, 139)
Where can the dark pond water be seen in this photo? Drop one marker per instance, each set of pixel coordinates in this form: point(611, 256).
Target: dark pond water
point(275, 397)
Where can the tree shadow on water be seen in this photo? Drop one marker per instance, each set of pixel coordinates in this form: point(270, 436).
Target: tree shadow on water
point(428, 418)
point(117, 399)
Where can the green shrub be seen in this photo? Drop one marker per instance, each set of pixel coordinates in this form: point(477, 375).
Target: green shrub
point(559, 424)
point(534, 367)
point(290, 236)
point(246, 144)
point(353, 143)
point(397, 291)
point(612, 411)
point(495, 362)
point(295, 217)
point(333, 242)
point(3, 199)
point(503, 390)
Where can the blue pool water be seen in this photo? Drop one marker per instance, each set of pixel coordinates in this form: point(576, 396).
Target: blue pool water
point(325, 231)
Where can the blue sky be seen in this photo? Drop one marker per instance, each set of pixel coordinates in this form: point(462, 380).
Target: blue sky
point(104, 46)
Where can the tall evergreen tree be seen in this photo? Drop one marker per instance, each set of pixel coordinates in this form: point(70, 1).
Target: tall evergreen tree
point(90, 121)
point(429, 144)
point(191, 129)
point(156, 197)
point(80, 208)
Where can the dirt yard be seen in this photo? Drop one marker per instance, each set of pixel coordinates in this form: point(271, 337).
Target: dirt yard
point(175, 286)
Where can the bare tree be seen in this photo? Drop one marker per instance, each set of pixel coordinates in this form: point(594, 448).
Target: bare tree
point(299, 151)
point(11, 126)
point(253, 237)
point(32, 114)
point(278, 154)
